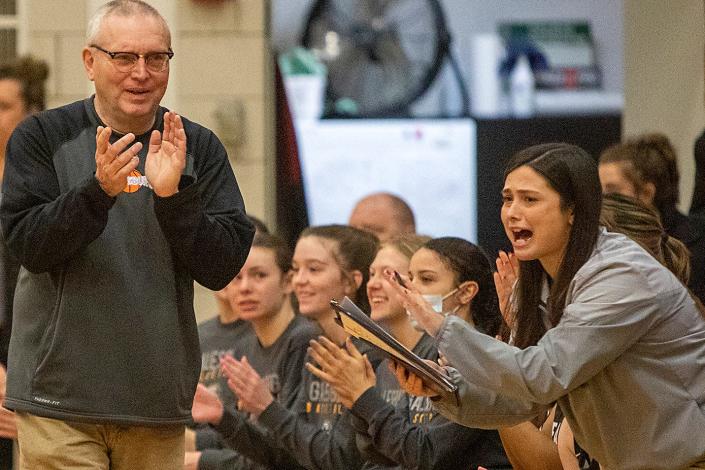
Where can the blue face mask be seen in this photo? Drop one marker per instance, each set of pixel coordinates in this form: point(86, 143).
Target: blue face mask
point(436, 301)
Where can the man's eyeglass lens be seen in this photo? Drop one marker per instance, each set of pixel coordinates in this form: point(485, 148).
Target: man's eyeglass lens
point(126, 61)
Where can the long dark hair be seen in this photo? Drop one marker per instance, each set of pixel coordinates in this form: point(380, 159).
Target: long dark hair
point(355, 250)
point(571, 172)
point(469, 263)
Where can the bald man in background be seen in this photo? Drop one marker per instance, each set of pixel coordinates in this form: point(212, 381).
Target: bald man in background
point(383, 214)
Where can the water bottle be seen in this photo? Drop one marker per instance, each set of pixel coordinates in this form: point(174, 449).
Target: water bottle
point(521, 88)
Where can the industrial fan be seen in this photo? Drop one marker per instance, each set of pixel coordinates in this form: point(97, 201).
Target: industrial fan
point(381, 55)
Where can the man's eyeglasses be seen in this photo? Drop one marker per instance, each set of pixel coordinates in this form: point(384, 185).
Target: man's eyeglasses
point(126, 61)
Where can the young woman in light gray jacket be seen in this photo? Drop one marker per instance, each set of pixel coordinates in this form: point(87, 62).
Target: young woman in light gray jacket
point(602, 328)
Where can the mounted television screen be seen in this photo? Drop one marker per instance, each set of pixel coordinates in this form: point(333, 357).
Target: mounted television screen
point(430, 163)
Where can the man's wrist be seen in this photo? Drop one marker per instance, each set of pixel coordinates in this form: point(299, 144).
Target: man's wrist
point(105, 189)
point(165, 195)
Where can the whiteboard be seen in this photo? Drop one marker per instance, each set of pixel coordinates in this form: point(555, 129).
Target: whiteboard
point(430, 163)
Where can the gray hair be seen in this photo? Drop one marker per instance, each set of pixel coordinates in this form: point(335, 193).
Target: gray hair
point(122, 8)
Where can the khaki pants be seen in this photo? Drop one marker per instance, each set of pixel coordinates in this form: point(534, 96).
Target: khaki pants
point(50, 444)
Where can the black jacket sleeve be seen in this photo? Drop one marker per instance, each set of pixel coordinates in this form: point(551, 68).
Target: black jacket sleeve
point(314, 448)
point(243, 436)
point(205, 222)
point(697, 203)
point(42, 226)
point(226, 459)
point(697, 223)
point(219, 459)
point(9, 269)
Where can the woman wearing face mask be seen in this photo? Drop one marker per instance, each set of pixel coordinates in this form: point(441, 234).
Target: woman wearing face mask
point(601, 327)
point(456, 276)
point(314, 432)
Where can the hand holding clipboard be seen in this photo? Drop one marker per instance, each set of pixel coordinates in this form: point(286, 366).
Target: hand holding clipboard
point(358, 324)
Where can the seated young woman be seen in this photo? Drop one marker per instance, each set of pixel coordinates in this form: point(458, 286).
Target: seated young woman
point(601, 327)
point(646, 167)
point(456, 275)
point(313, 431)
point(273, 341)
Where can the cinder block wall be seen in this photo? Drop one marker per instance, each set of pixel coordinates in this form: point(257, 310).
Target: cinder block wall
point(224, 80)
point(56, 33)
point(663, 76)
point(221, 77)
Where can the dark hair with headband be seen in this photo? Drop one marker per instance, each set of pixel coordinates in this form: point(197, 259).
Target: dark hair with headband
point(571, 172)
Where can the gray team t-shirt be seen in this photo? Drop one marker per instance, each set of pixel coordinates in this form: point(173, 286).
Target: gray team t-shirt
point(218, 339)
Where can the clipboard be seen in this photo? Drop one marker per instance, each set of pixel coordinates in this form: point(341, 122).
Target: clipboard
point(356, 323)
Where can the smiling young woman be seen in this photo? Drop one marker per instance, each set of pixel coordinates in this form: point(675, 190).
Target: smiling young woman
point(394, 427)
point(314, 429)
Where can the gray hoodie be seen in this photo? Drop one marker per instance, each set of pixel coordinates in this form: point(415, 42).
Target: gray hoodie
point(626, 364)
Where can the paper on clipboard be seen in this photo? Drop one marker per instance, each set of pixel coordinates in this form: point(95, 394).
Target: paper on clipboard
point(359, 325)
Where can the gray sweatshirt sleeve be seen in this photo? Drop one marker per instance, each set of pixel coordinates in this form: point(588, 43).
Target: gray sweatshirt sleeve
point(208, 438)
point(481, 408)
point(243, 436)
point(365, 444)
point(609, 311)
point(215, 456)
point(314, 448)
point(441, 445)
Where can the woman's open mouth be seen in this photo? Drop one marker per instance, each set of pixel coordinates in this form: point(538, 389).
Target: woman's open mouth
point(522, 237)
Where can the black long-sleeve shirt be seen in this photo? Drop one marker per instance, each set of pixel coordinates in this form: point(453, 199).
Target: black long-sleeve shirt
point(103, 327)
point(697, 202)
point(9, 269)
